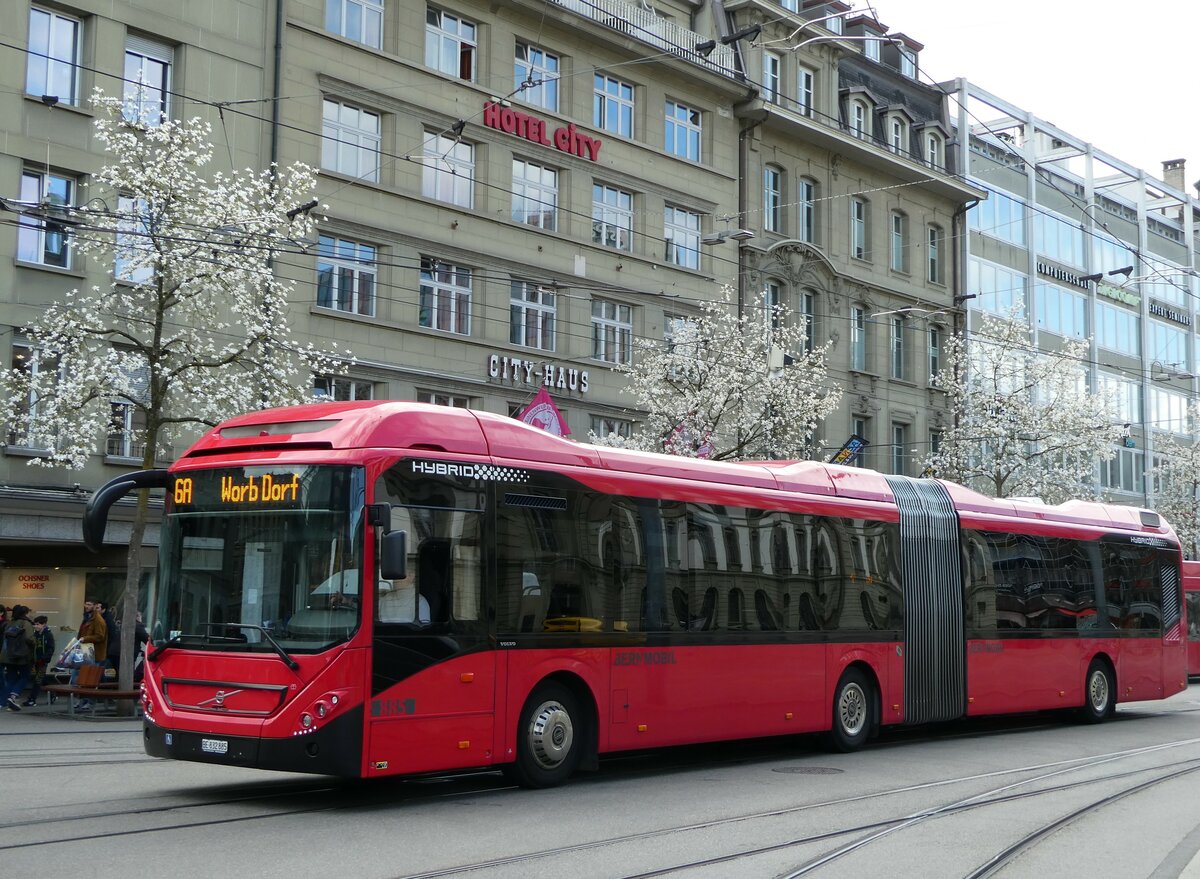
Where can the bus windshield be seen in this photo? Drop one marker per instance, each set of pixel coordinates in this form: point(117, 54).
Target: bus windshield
point(262, 559)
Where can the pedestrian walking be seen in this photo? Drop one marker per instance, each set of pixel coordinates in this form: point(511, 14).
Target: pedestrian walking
point(16, 656)
point(93, 634)
point(112, 656)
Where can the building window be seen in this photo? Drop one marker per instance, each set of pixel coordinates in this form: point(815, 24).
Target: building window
point(536, 76)
point(933, 253)
point(772, 68)
point(1168, 411)
point(900, 449)
point(1168, 345)
point(535, 195)
point(807, 199)
point(808, 315)
point(450, 44)
point(897, 348)
point(1124, 472)
point(603, 426)
point(773, 199)
point(805, 92)
point(357, 20)
point(871, 49)
point(27, 360)
point(612, 105)
point(858, 228)
point(860, 120)
point(350, 139)
point(126, 427)
point(449, 172)
point(134, 253)
point(899, 137)
point(773, 302)
point(1000, 291)
point(346, 274)
point(41, 238)
point(1125, 394)
point(1061, 311)
point(52, 65)
point(858, 338)
point(1118, 329)
point(908, 63)
point(935, 350)
point(612, 217)
point(342, 389)
point(933, 151)
point(1000, 216)
point(899, 241)
point(532, 310)
point(682, 131)
point(455, 400)
point(681, 231)
point(445, 297)
point(935, 441)
point(861, 427)
point(1058, 239)
point(147, 81)
point(612, 331)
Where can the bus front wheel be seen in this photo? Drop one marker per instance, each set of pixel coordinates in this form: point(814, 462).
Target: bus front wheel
point(853, 711)
point(550, 738)
point(1099, 692)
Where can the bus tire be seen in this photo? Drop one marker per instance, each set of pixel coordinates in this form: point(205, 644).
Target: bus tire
point(1099, 692)
point(853, 711)
point(550, 738)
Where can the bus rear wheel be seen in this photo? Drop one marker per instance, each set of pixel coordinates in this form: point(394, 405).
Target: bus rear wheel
point(1099, 692)
point(853, 711)
point(550, 738)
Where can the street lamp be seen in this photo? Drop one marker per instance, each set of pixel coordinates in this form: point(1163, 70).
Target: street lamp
point(739, 235)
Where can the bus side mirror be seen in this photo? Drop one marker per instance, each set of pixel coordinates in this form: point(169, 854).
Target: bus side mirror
point(393, 556)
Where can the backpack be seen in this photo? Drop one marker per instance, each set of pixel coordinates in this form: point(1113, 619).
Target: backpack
point(16, 648)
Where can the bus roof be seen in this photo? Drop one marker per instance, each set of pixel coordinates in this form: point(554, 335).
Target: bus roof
point(403, 426)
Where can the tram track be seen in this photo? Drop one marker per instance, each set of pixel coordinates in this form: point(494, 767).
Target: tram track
point(874, 830)
point(331, 796)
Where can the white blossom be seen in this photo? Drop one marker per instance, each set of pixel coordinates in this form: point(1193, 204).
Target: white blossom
point(1176, 476)
point(192, 327)
point(720, 388)
point(1024, 422)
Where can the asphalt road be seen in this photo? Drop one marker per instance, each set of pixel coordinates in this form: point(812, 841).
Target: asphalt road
point(1035, 796)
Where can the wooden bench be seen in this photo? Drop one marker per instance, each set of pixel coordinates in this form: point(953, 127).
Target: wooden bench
point(102, 692)
point(89, 684)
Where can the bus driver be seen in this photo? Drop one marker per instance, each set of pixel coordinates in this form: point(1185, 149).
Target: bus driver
point(397, 602)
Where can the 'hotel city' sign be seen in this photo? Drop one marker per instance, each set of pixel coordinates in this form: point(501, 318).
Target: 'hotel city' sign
point(518, 371)
point(568, 139)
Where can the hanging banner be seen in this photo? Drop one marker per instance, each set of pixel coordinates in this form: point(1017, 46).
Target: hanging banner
point(847, 453)
point(541, 412)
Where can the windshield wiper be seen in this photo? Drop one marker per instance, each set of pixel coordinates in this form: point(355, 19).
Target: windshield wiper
point(283, 654)
point(160, 649)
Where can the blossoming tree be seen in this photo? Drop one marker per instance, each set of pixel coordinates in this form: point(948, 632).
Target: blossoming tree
point(729, 387)
point(192, 326)
point(1177, 480)
point(1024, 422)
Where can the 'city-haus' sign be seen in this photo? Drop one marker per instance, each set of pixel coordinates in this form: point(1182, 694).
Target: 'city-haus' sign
point(518, 371)
point(568, 139)
point(1158, 309)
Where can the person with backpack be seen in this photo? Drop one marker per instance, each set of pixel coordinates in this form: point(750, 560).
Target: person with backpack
point(17, 656)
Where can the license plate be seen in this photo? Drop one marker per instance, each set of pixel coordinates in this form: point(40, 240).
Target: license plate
point(214, 746)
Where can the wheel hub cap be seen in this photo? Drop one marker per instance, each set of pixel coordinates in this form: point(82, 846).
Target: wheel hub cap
point(852, 709)
point(551, 734)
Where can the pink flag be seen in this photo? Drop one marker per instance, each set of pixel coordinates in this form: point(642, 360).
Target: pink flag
point(541, 412)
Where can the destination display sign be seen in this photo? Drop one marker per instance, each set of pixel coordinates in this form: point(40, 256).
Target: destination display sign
point(239, 488)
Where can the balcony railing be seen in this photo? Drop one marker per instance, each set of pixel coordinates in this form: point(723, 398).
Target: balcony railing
point(644, 25)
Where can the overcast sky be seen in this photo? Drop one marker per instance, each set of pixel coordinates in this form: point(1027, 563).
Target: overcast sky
point(1119, 76)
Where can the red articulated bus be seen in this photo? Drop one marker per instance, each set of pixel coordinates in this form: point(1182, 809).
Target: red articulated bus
point(379, 588)
point(1191, 595)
